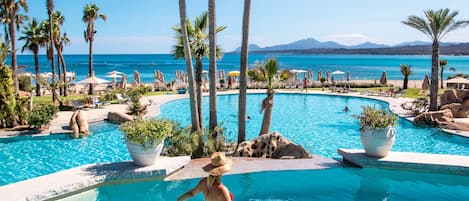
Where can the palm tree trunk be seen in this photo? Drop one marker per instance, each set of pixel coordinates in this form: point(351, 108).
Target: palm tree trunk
point(190, 76)
point(406, 81)
point(59, 72)
point(38, 75)
point(64, 70)
point(267, 105)
point(243, 73)
point(434, 83)
point(90, 65)
point(51, 40)
point(198, 80)
point(189, 69)
point(14, 67)
point(441, 77)
point(213, 64)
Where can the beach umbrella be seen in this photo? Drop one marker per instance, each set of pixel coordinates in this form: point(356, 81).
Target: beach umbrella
point(137, 77)
point(384, 78)
point(114, 76)
point(348, 76)
point(458, 81)
point(426, 83)
point(310, 74)
point(234, 73)
point(319, 75)
point(328, 75)
point(93, 80)
point(115, 72)
point(337, 72)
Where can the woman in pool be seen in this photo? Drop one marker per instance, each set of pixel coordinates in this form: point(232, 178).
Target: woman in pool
point(211, 186)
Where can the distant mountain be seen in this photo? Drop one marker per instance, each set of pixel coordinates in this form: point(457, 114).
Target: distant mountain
point(311, 45)
point(456, 49)
point(251, 47)
point(367, 45)
point(297, 45)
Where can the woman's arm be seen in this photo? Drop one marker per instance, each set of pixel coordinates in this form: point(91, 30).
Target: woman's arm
point(197, 189)
point(226, 193)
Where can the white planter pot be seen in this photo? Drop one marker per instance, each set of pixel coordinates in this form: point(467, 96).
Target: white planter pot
point(143, 157)
point(377, 142)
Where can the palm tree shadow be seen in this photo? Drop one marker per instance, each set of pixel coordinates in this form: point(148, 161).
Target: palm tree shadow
point(122, 171)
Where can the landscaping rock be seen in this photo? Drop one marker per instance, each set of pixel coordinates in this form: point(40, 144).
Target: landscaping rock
point(273, 145)
point(118, 117)
point(434, 118)
point(451, 96)
point(82, 121)
point(74, 125)
point(457, 109)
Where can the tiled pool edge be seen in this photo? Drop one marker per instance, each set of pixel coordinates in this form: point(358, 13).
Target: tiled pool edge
point(434, 163)
point(79, 179)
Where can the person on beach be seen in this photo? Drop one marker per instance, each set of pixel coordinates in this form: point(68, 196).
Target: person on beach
point(211, 186)
point(305, 85)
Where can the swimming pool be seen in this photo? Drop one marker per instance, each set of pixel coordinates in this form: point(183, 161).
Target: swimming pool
point(330, 184)
point(318, 123)
point(314, 121)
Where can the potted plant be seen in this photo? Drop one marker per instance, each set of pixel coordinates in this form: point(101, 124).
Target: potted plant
point(377, 132)
point(145, 139)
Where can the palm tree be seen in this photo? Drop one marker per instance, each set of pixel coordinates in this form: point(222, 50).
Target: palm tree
point(406, 70)
point(11, 16)
point(34, 36)
point(436, 25)
point(59, 41)
point(268, 71)
point(443, 64)
point(199, 44)
point(90, 15)
point(243, 73)
point(50, 50)
point(212, 35)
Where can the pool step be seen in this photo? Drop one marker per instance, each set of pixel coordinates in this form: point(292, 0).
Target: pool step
point(435, 163)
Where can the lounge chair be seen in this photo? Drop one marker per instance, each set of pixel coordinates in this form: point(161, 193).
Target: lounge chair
point(121, 99)
point(78, 104)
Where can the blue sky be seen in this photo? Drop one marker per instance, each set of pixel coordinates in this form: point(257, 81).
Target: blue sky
point(144, 26)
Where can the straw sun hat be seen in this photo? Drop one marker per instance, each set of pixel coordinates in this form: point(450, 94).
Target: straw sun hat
point(219, 164)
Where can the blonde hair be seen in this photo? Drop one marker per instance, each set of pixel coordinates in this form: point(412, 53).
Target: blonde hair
point(211, 179)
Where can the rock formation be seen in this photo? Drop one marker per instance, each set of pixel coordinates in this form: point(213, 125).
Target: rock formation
point(271, 146)
point(118, 117)
point(79, 124)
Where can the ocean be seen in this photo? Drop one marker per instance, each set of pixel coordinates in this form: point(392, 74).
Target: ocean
point(361, 67)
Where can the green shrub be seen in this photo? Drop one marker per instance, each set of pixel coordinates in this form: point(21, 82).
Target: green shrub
point(146, 133)
point(25, 83)
point(7, 98)
point(42, 114)
point(371, 117)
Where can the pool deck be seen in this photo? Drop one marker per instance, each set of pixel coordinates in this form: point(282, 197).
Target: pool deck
point(79, 179)
point(250, 165)
point(435, 163)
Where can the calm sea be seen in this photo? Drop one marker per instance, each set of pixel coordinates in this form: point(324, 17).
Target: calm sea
point(360, 66)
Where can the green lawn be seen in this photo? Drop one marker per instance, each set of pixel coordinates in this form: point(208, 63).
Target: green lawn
point(48, 98)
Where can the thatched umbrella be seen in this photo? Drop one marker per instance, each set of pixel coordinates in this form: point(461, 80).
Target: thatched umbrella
point(328, 75)
point(348, 76)
point(384, 78)
point(319, 75)
point(426, 83)
point(137, 78)
point(310, 74)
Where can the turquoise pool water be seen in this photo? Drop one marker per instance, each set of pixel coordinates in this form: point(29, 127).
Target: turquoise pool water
point(27, 157)
point(338, 184)
point(318, 123)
